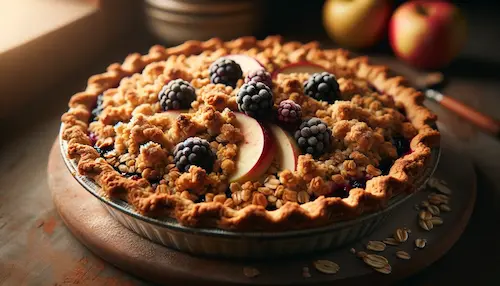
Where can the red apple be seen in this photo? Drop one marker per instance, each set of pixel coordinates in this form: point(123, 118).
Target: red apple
point(300, 67)
point(356, 23)
point(287, 150)
point(256, 153)
point(427, 34)
point(246, 63)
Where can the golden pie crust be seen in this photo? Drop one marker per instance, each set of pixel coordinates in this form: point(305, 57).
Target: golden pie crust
point(142, 138)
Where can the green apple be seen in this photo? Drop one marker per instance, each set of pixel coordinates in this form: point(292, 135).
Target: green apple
point(356, 23)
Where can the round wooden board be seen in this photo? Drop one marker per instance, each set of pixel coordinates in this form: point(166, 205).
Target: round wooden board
point(95, 228)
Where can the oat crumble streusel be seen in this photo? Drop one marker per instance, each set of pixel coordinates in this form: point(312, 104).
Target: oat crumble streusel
point(127, 146)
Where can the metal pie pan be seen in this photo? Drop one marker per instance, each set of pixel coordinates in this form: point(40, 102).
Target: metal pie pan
point(233, 244)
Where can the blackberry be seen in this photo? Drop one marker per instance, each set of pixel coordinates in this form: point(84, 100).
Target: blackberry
point(322, 86)
point(402, 145)
point(359, 183)
point(259, 75)
point(194, 151)
point(385, 165)
point(225, 71)
point(103, 150)
point(289, 111)
point(98, 108)
point(313, 137)
point(341, 191)
point(177, 94)
point(255, 99)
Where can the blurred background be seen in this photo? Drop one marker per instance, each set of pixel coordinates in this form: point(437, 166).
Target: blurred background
point(55, 39)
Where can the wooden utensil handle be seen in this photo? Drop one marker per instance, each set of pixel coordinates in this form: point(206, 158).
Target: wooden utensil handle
point(481, 120)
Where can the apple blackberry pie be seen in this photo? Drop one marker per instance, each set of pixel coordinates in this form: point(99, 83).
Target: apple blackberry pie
point(250, 134)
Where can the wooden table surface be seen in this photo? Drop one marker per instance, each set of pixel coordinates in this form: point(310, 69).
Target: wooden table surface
point(37, 249)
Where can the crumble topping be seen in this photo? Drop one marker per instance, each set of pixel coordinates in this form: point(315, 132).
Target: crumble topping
point(135, 139)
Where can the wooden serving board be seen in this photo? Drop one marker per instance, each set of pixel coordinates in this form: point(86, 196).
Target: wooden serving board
point(107, 238)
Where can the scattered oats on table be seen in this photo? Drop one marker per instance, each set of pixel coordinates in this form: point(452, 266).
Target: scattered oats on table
point(403, 254)
point(424, 215)
point(375, 245)
point(434, 210)
point(387, 269)
point(390, 241)
point(326, 266)
point(401, 235)
point(424, 204)
point(375, 260)
point(445, 208)
point(436, 221)
point(439, 185)
point(361, 254)
point(426, 224)
point(420, 243)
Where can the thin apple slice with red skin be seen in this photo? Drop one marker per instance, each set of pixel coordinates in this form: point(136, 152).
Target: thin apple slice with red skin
point(287, 151)
point(299, 67)
point(247, 63)
point(255, 153)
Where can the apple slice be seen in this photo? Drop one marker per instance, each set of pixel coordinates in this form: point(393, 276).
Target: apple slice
point(256, 153)
point(299, 67)
point(246, 63)
point(287, 150)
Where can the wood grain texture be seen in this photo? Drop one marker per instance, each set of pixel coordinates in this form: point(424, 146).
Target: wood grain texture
point(94, 227)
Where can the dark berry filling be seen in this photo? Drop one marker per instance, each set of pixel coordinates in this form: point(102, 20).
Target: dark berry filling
point(339, 191)
point(97, 109)
point(270, 207)
point(228, 193)
point(93, 138)
point(358, 183)
point(200, 199)
point(103, 150)
point(402, 145)
point(385, 165)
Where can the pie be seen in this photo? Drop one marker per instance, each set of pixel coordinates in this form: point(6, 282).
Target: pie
point(250, 135)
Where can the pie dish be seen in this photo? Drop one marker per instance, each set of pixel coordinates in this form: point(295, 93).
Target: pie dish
point(250, 135)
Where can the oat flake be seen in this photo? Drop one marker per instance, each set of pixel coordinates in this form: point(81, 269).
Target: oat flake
point(403, 254)
point(376, 261)
point(387, 269)
point(420, 243)
point(426, 224)
point(401, 235)
point(326, 266)
point(375, 246)
point(445, 208)
point(390, 241)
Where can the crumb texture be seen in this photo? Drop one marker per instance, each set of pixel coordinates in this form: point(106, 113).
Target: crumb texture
point(121, 137)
